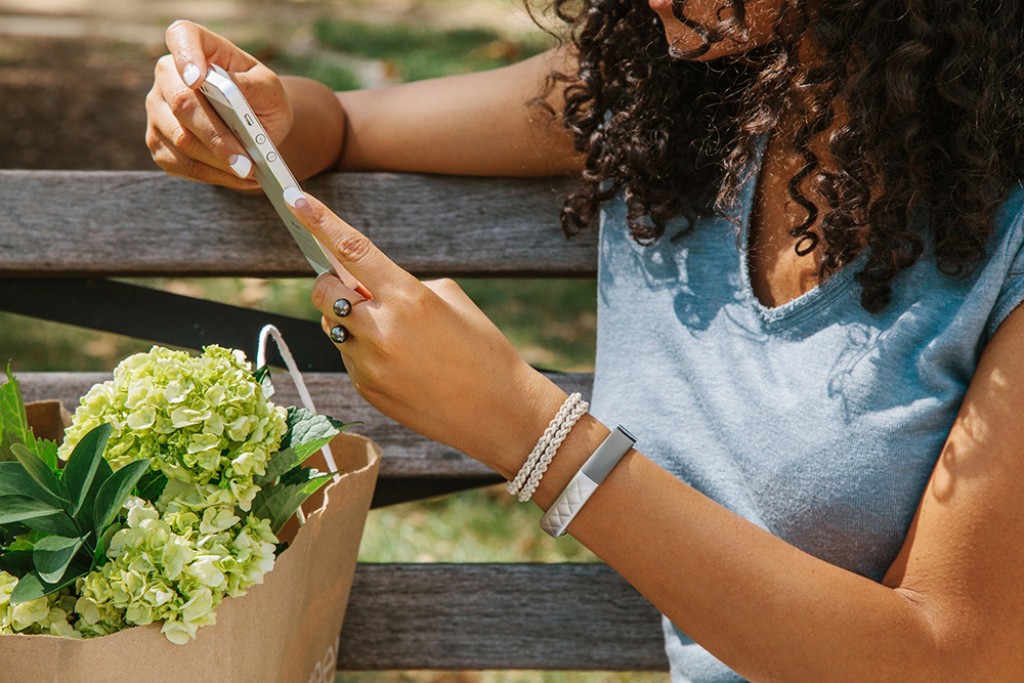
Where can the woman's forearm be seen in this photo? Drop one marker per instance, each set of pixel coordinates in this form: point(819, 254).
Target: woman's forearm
point(472, 124)
point(768, 610)
point(315, 141)
point(480, 124)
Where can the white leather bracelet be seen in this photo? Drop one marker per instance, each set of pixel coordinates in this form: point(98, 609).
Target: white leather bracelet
point(561, 513)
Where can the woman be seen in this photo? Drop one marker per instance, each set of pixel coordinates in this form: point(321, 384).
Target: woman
point(811, 265)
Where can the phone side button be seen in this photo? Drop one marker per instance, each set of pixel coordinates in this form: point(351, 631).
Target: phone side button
point(271, 157)
point(260, 139)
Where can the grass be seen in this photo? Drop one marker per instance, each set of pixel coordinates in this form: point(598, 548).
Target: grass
point(418, 52)
point(486, 525)
point(333, 75)
point(551, 322)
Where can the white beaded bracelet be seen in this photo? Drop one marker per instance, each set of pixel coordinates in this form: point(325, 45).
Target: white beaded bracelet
point(520, 479)
point(533, 481)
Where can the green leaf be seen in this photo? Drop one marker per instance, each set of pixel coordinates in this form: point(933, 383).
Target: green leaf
point(278, 502)
point(53, 554)
point(24, 509)
point(261, 373)
point(16, 481)
point(39, 471)
point(31, 587)
point(100, 554)
point(16, 562)
point(58, 523)
point(262, 377)
point(84, 464)
point(278, 464)
point(13, 421)
point(103, 473)
point(151, 486)
point(114, 491)
point(307, 433)
point(22, 544)
point(46, 449)
point(17, 557)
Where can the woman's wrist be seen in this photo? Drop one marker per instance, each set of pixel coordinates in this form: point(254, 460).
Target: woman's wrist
point(583, 440)
point(508, 446)
point(527, 412)
point(314, 142)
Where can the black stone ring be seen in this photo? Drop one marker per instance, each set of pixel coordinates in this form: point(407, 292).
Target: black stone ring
point(338, 334)
point(342, 307)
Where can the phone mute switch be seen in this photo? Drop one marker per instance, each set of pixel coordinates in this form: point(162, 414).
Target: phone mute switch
point(248, 120)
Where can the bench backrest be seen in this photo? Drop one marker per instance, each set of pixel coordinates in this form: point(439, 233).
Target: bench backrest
point(64, 233)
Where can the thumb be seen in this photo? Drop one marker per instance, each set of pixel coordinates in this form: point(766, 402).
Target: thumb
point(263, 91)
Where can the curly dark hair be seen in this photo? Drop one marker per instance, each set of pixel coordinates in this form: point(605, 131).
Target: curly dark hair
point(933, 92)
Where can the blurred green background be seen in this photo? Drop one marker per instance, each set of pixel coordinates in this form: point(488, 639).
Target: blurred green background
point(346, 44)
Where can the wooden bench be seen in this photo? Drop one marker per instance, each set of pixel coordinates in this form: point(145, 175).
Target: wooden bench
point(64, 234)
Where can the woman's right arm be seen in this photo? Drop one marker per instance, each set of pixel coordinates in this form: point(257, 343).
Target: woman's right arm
point(473, 124)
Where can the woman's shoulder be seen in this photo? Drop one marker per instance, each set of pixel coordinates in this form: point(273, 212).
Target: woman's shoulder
point(1010, 215)
point(1007, 247)
point(1003, 272)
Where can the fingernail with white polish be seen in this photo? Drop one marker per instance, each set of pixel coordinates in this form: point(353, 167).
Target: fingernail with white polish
point(190, 75)
point(240, 165)
point(295, 198)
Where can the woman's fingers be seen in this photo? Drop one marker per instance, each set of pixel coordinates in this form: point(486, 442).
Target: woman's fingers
point(352, 250)
point(185, 119)
point(193, 47)
point(183, 124)
point(170, 157)
point(336, 300)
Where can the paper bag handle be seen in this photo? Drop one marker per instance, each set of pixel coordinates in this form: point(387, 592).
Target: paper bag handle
point(271, 332)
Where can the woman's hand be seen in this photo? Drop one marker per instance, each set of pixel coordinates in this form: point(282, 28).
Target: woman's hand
point(425, 355)
point(184, 134)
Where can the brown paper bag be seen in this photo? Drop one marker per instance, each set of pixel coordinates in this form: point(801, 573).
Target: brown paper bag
point(283, 631)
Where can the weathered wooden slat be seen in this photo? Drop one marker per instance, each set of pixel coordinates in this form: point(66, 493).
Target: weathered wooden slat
point(406, 454)
point(573, 617)
point(134, 223)
point(163, 317)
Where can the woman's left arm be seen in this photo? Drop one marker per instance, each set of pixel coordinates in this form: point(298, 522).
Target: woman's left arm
point(951, 607)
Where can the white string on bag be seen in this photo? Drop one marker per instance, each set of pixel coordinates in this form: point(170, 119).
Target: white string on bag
point(271, 332)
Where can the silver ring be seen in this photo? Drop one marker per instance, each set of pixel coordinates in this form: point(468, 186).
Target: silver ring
point(342, 307)
point(338, 334)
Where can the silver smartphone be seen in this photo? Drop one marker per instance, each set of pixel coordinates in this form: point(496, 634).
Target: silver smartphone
point(270, 170)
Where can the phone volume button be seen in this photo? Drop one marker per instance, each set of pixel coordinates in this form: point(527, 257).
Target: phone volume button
point(271, 157)
point(260, 139)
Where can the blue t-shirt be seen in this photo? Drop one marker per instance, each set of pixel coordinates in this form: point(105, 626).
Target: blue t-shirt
point(816, 420)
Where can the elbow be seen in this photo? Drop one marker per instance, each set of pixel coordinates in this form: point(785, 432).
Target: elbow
point(958, 644)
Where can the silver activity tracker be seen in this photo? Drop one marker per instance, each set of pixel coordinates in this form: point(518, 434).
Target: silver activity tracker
point(561, 513)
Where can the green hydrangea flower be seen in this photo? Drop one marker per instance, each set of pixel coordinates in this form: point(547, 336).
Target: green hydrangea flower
point(49, 615)
point(174, 567)
point(203, 419)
